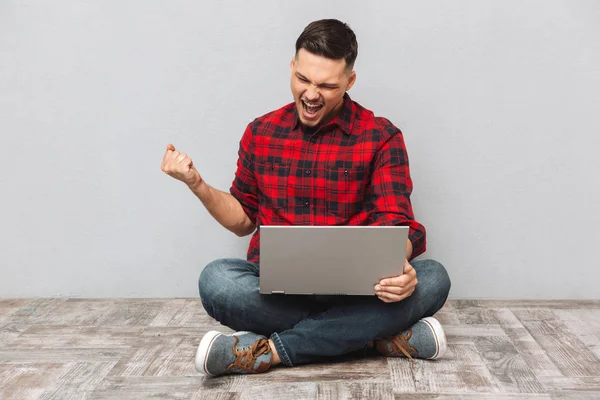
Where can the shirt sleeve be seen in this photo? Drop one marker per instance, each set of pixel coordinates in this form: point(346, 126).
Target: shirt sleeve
point(388, 197)
point(244, 187)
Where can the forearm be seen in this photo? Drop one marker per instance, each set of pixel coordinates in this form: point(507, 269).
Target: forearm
point(225, 208)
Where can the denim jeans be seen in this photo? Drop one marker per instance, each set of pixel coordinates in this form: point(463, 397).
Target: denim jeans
point(315, 328)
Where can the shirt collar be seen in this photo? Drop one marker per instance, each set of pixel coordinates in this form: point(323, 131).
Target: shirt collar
point(345, 118)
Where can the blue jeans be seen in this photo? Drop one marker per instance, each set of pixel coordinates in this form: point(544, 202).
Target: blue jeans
point(315, 328)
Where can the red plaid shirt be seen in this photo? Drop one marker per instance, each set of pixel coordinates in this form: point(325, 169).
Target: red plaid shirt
point(352, 171)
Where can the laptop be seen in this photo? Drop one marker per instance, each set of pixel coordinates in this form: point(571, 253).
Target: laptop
point(329, 260)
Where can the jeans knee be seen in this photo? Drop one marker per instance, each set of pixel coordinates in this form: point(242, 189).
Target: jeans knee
point(433, 277)
point(208, 280)
point(225, 282)
point(441, 278)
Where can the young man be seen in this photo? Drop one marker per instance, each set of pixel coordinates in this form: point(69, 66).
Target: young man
point(322, 160)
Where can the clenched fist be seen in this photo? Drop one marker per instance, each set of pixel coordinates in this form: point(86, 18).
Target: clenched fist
point(180, 166)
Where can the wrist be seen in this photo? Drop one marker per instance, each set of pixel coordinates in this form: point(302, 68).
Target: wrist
point(200, 188)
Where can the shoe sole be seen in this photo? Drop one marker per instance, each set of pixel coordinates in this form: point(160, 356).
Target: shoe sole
point(440, 337)
point(204, 348)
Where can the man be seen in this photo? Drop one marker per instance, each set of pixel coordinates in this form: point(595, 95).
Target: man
point(322, 160)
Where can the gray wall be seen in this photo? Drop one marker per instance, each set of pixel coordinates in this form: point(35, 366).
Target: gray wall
point(499, 103)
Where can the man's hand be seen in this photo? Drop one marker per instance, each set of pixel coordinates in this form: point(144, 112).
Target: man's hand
point(180, 166)
point(391, 290)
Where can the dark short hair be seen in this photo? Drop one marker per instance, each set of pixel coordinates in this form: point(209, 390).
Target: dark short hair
point(329, 38)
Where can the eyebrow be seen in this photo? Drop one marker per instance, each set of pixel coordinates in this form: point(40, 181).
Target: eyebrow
point(329, 85)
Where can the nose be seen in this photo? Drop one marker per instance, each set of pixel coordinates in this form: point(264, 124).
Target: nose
point(312, 94)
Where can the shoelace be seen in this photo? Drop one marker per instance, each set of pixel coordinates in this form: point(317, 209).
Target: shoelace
point(401, 342)
point(245, 358)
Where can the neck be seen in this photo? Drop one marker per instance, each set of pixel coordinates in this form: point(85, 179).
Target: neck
point(334, 113)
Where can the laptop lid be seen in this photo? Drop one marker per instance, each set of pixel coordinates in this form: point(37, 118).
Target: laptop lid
point(329, 259)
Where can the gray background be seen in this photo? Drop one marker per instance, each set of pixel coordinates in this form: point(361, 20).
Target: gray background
point(499, 103)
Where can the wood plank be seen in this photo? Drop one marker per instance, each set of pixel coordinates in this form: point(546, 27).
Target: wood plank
point(476, 316)
point(533, 354)
point(52, 355)
point(455, 377)
point(77, 337)
point(28, 381)
point(373, 369)
point(527, 304)
point(568, 395)
point(534, 314)
point(210, 395)
point(472, 396)
point(468, 330)
point(132, 312)
point(76, 312)
point(282, 391)
point(34, 311)
point(231, 383)
point(584, 383)
point(466, 373)
point(138, 362)
point(144, 387)
point(509, 369)
point(192, 314)
point(78, 381)
point(167, 357)
point(447, 315)
point(354, 390)
point(583, 323)
point(179, 332)
point(566, 351)
point(401, 375)
point(8, 307)
point(168, 311)
point(10, 332)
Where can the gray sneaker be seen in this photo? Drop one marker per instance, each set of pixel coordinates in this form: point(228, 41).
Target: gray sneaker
point(236, 353)
point(425, 339)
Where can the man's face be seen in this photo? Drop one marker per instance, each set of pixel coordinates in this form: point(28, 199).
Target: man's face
point(318, 85)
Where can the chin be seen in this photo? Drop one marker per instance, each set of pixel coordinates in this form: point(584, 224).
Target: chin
point(310, 124)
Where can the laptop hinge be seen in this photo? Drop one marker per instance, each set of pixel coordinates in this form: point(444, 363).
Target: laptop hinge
point(277, 291)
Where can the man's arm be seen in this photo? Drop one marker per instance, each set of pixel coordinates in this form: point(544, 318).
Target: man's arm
point(388, 203)
point(237, 210)
point(225, 208)
point(388, 199)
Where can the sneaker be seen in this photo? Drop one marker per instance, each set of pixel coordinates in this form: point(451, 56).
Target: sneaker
point(236, 353)
point(425, 339)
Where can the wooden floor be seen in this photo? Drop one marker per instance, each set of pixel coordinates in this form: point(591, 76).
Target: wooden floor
point(142, 349)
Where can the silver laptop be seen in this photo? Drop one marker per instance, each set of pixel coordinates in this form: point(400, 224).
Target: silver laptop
point(327, 260)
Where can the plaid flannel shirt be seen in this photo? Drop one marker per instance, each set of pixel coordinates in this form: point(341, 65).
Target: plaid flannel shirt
point(352, 171)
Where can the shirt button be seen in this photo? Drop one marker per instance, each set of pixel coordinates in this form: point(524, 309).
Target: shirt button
point(307, 172)
point(307, 204)
point(346, 172)
point(313, 139)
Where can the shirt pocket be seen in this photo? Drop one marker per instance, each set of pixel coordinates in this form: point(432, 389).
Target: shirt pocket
point(272, 179)
point(345, 190)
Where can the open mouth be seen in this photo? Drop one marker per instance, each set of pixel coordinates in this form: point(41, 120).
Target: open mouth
point(311, 110)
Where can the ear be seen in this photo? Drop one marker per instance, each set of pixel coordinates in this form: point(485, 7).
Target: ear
point(292, 63)
point(351, 80)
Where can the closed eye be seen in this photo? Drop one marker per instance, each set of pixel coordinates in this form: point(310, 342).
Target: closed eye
point(328, 86)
